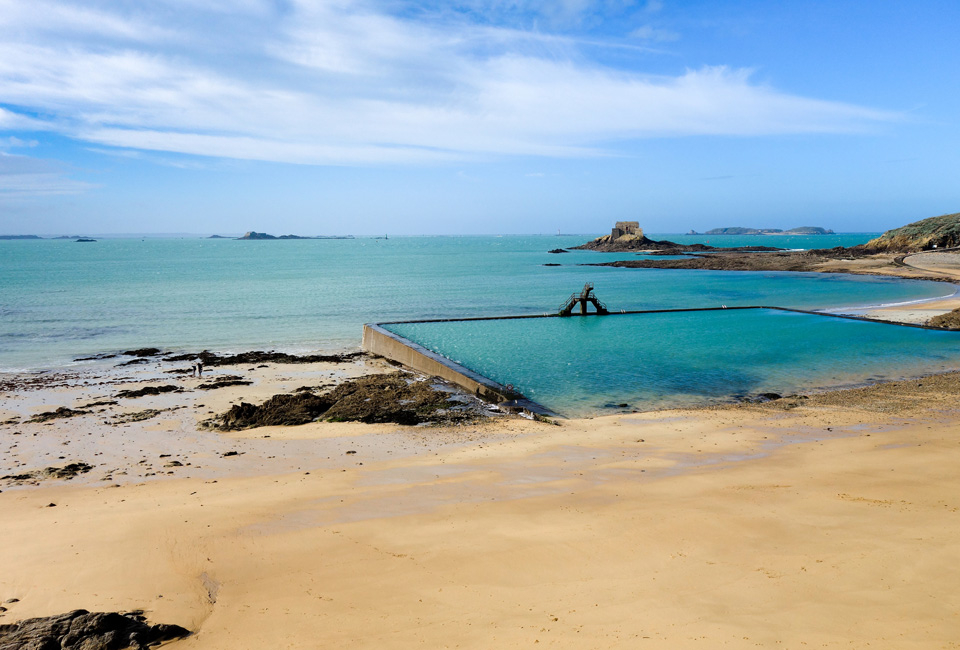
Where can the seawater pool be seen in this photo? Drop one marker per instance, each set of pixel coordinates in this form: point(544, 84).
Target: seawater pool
point(581, 366)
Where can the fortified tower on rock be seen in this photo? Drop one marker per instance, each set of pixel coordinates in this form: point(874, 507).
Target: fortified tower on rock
point(626, 228)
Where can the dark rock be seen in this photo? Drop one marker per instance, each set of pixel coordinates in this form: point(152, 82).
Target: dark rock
point(96, 357)
point(552, 265)
point(259, 357)
point(769, 397)
point(739, 260)
point(138, 416)
point(85, 240)
point(84, 630)
point(223, 382)
point(143, 352)
point(149, 390)
point(62, 412)
point(105, 402)
point(66, 472)
point(559, 250)
point(374, 398)
point(230, 453)
point(134, 362)
point(279, 410)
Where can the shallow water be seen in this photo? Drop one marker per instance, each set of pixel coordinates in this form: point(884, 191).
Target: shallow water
point(60, 299)
point(586, 365)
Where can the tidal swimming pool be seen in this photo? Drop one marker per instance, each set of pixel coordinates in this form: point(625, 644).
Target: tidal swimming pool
point(581, 366)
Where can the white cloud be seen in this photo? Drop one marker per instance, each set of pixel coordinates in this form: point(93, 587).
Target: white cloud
point(341, 82)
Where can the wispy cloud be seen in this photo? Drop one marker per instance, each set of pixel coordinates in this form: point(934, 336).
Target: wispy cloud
point(353, 82)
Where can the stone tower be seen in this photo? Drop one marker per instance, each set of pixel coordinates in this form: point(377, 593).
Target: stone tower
point(626, 228)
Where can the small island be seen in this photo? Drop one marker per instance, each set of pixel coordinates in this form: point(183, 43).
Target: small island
point(253, 234)
point(20, 237)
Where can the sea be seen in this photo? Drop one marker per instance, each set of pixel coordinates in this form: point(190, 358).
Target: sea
point(61, 300)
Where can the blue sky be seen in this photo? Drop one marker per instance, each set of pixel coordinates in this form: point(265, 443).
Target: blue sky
point(477, 116)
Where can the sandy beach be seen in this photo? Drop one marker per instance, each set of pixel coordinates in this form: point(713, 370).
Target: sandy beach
point(829, 521)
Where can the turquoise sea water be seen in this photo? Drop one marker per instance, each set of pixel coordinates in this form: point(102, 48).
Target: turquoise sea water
point(60, 299)
point(581, 366)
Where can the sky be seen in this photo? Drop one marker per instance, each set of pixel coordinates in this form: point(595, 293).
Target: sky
point(335, 117)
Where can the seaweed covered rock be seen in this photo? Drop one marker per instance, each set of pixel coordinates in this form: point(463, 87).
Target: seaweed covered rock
point(387, 398)
point(395, 397)
point(258, 356)
point(62, 412)
point(279, 410)
point(935, 232)
point(149, 390)
point(87, 631)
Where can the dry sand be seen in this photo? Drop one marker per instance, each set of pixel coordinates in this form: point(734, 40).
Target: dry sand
point(826, 522)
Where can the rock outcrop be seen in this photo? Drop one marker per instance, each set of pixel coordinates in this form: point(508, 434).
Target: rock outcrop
point(935, 232)
point(148, 390)
point(84, 630)
point(394, 397)
point(257, 356)
point(948, 321)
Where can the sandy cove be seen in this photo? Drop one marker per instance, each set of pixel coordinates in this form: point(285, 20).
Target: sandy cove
point(831, 521)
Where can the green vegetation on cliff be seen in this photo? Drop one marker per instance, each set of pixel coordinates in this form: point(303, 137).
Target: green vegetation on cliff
point(935, 232)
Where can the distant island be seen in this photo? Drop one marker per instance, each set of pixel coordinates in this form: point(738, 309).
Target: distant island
point(262, 235)
point(84, 240)
point(802, 230)
point(20, 237)
point(253, 234)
